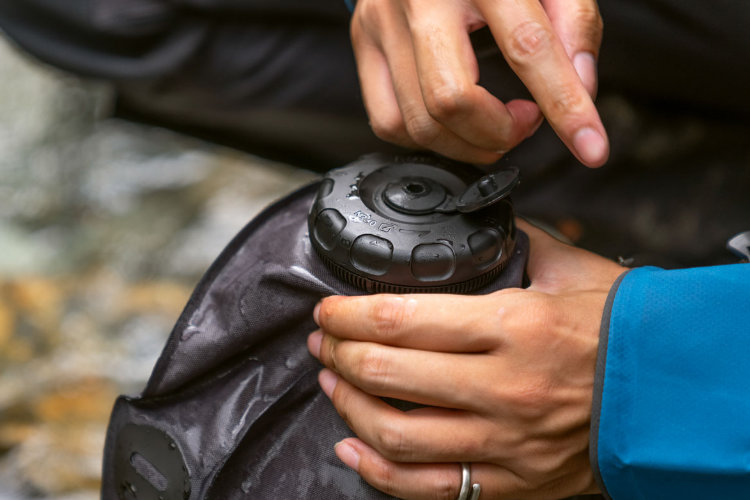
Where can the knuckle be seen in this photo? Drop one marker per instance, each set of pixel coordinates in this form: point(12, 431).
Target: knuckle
point(388, 316)
point(485, 445)
point(343, 403)
point(326, 312)
point(527, 41)
point(371, 370)
point(423, 130)
point(356, 30)
point(392, 442)
point(446, 102)
point(568, 99)
point(368, 18)
point(530, 400)
point(388, 126)
point(328, 351)
point(386, 478)
point(590, 21)
point(554, 463)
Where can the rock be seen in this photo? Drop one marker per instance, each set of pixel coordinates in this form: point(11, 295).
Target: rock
point(105, 228)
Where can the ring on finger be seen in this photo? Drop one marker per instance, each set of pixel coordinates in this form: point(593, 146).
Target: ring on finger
point(468, 491)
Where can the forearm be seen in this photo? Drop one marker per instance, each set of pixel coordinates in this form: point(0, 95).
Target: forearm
point(671, 404)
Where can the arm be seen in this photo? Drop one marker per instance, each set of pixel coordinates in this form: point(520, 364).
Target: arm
point(672, 404)
point(510, 377)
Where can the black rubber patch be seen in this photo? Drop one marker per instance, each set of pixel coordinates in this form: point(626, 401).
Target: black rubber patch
point(149, 465)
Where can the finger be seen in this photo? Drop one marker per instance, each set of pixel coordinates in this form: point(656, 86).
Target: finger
point(424, 481)
point(579, 26)
point(435, 322)
point(461, 382)
point(534, 51)
point(448, 75)
point(424, 377)
point(419, 435)
point(422, 128)
point(377, 91)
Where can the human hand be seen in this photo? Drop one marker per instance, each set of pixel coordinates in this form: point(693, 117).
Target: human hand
point(508, 378)
point(419, 74)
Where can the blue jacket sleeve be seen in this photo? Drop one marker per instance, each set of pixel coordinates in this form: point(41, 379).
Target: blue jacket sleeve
point(671, 412)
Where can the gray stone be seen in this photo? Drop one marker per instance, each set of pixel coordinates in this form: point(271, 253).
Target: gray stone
point(105, 227)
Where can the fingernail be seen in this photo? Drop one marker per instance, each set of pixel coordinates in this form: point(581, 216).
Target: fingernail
point(327, 380)
point(313, 343)
point(585, 65)
point(590, 146)
point(347, 454)
point(316, 313)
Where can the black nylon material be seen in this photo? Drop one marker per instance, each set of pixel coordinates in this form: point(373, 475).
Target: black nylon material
point(236, 389)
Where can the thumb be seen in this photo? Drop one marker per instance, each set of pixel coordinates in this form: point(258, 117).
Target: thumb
point(555, 266)
point(546, 253)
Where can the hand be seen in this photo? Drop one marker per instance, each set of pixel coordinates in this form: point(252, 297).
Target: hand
point(419, 74)
point(508, 378)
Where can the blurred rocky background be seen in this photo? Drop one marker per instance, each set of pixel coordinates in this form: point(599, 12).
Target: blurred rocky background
point(105, 228)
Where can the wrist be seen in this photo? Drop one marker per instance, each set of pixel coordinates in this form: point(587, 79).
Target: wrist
point(671, 400)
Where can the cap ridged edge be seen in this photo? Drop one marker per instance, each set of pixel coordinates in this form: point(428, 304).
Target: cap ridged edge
point(375, 286)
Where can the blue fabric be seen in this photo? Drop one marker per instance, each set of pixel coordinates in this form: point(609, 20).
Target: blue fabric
point(674, 420)
point(350, 4)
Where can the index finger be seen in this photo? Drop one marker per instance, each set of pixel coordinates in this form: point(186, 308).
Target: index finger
point(531, 47)
point(578, 24)
point(448, 77)
point(433, 322)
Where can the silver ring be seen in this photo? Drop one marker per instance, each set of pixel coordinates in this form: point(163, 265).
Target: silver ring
point(468, 491)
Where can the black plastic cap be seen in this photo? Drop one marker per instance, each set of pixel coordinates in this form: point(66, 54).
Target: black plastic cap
point(390, 224)
point(489, 189)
